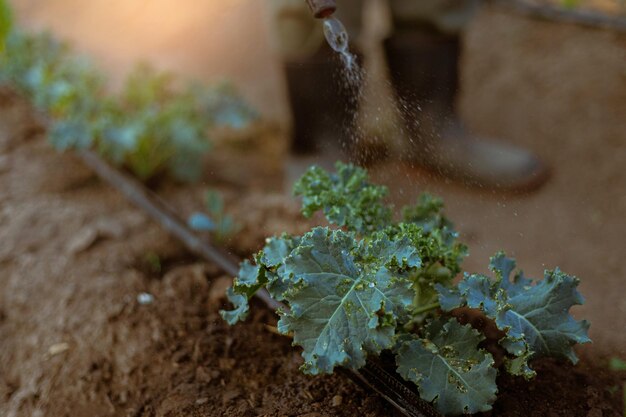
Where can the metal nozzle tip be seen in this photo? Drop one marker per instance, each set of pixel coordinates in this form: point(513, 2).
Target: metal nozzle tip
point(322, 8)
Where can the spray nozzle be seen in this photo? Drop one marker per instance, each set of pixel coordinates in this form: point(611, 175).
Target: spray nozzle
point(336, 34)
point(322, 9)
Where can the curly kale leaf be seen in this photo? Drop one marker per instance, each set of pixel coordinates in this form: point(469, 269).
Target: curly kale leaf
point(347, 198)
point(441, 260)
point(268, 271)
point(342, 310)
point(249, 280)
point(535, 317)
point(272, 259)
point(428, 214)
point(240, 312)
point(390, 248)
point(449, 369)
point(539, 317)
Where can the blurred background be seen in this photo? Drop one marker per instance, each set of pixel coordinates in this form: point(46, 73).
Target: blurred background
point(206, 40)
point(549, 83)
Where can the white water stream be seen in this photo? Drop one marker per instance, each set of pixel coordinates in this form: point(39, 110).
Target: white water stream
point(338, 39)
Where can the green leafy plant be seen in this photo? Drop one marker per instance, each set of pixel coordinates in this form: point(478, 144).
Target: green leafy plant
point(154, 125)
point(215, 221)
point(6, 21)
point(619, 365)
point(371, 283)
point(570, 4)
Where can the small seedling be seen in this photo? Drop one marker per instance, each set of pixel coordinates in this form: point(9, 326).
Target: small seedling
point(619, 365)
point(153, 261)
point(215, 221)
point(371, 283)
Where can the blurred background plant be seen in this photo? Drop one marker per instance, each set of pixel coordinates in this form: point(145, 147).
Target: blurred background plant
point(570, 4)
point(157, 124)
point(6, 21)
point(215, 221)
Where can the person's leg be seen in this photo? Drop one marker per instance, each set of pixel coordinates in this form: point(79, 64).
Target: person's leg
point(444, 16)
point(321, 106)
point(423, 55)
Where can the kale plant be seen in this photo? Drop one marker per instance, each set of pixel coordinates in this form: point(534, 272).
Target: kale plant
point(153, 125)
point(371, 283)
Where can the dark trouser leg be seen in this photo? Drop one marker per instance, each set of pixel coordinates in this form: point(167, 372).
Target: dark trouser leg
point(424, 70)
point(323, 105)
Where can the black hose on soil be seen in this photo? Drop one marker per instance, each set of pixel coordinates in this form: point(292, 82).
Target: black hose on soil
point(373, 376)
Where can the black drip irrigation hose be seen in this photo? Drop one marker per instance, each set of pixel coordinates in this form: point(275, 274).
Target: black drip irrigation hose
point(165, 216)
point(372, 376)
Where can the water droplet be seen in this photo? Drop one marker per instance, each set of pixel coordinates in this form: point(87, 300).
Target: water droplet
point(372, 285)
point(338, 39)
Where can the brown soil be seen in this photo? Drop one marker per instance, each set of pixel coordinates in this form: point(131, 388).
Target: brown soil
point(76, 341)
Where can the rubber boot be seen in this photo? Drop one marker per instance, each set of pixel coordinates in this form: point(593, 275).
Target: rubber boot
point(424, 71)
point(323, 105)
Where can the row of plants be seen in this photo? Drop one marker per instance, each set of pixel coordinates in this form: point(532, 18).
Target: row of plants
point(155, 124)
point(370, 283)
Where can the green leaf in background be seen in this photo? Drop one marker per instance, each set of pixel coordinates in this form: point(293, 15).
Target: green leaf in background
point(570, 4)
point(617, 364)
point(449, 369)
point(155, 125)
point(222, 105)
point(71, 134)
point(340, 311)
point(6, 22)
point(216, 221)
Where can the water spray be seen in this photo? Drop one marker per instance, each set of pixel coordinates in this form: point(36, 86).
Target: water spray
point(334, 31)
